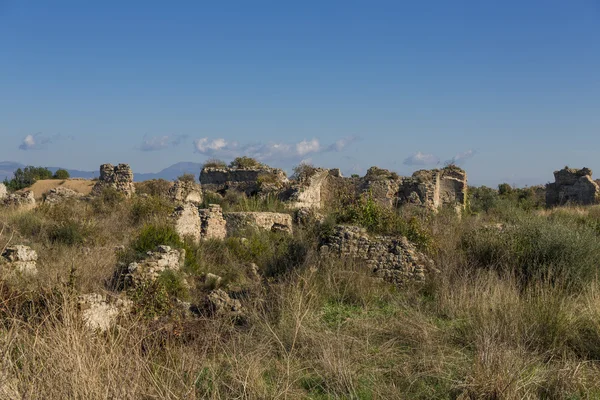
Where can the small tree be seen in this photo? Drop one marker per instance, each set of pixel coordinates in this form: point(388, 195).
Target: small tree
point(187, 177)
point(215, 163)
point(62, 174)
point(504, 189)
point(244, 162)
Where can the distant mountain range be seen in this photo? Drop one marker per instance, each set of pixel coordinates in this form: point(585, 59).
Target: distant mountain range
point(170, 173)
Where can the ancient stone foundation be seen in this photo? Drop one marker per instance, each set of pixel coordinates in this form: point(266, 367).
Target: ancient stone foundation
point(186, 192)
point(119, 178)
point(239, 222)
point(22, 201)
point(572, 186)
point(246, 180)
point(61, 194)
point(212, 223)
point(200, 224)
point(3, 191)
point(21, 259)
point(394, 259)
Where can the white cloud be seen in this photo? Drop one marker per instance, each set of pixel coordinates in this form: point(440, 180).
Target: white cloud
point(421, 159)
point(155, 143)
point(39, 141)
point(279, 151)
point(460, 158)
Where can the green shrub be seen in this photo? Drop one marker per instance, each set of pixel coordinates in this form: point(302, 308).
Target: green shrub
point(303, 172)
point(153, 187)
point(214, 163)
point(151, 299)
point(62, 174)
point(70, 233)
point(244, 162)
point(535, 247)
point(150, 208)
point(107, 200)
point(187, 177)
point(152, 236)
point(26, 177)
point(174, 284)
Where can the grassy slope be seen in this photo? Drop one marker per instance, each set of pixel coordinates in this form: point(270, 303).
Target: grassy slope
point(489, 325)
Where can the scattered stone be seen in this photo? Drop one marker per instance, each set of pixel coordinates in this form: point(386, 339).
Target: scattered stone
point(572, 186)
point(238, 222)
point(394, 259)
point(186, 192)
point(99, 313)
point(22, 259)
point(60, 194)
point(21, 201)
point(119, 178)
point(162, 259)
point(212, 280)
point(218, 303)
point(308, 217)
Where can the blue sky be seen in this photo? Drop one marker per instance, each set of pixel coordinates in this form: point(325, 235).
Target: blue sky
point(510, 89)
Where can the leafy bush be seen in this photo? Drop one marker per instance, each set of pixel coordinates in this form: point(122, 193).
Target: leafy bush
point(215, 163)
point(536, 248)
point(244, 162)
point(304, 171)
point(154, 187)
point(62, 174)
point(26, 177)
point(151, 208)
point(152, 236)
point(70, 233)
point(187, 177)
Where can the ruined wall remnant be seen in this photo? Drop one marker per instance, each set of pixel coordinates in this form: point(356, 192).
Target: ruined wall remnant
point(382, 185)
point(61, 194)
point(100, 313)
point(119, 178)
point(186, 191)
point(238, 222)
point(212, 223)
point(394, 259)
point(435, 188)
point(20, 200)
point(308, 193)
point(246, 180)
point(162, 259)
point(21, 259)
point(200, 224)
point(3, 191)
point(574, 186)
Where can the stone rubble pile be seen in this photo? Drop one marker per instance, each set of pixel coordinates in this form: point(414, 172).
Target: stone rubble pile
point(61, 194)
point(394, 259)
point(20, 200)
point(21, 259)
point(162, 259)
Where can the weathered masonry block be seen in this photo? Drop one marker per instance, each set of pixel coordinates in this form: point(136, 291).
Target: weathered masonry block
point(572, 186)
point(119, 178)
point(238, 222)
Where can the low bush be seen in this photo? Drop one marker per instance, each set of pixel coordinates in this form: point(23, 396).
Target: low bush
point(214, 163)
point(245, 162)
point(154, 187)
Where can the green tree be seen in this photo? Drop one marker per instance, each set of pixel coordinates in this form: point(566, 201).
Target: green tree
point(26, 177)
point(62, 174)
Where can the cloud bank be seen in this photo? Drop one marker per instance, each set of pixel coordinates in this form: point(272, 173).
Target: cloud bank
point(420, 159)
point(277, 151)
point(156, 143)
point(39, 141)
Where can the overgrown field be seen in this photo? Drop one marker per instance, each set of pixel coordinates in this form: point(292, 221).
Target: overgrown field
point(514, 311)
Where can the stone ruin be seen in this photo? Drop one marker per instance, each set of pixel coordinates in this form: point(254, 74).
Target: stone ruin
point(250, 181)
point(156, 262)
point(100, 313)
point(119, 178)
point(200, 224)
point(21, 259)
point(238, 222)
point(20, 200)
point(61, 194)
point(3, 191)
point(572, 186)
point(186, 192)
point(394, 259)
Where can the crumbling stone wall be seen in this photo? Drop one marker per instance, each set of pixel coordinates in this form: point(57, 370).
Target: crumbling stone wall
point(574, 186)
point(119, 178)
point(3, 191)
point(162, 259)
point(21, 200)
point(307, 194)
point(238, 222)
point(382, 185)
point(212, 223)
point(61, 194)
point(394, 259)
point(185, 191)
point(21, 259)
point(246, 180)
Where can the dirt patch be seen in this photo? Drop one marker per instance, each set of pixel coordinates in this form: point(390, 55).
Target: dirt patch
point(83, 186)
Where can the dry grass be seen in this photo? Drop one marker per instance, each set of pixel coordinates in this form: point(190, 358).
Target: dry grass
point(324, 330)
point(42, 187)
